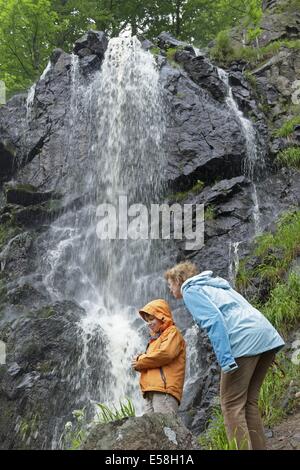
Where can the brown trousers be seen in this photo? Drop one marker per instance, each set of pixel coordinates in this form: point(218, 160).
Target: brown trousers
point(239, 401)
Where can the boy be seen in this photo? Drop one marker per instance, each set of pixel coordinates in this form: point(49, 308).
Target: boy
point(162, 366)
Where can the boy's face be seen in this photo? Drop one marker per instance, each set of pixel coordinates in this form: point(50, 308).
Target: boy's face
point(153, 323)
point(175, 288)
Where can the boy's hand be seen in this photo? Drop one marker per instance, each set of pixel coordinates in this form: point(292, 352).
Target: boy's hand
point(134, 363)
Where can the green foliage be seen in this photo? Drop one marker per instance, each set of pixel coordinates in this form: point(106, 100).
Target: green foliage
point(275, 252)
point(25, 29)
point(289, 157)
point(274, 390)
point(215, 436)
point(76, 432)
point(7, 231)
point(155, 50)
point(209, 213)
point(288, 127)
point(282, 308)
point(106, 414)
point(180, 196)
point(223, 50)
point(251, 79)
point(30, 29)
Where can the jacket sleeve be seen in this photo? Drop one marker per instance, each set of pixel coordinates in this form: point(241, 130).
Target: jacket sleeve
point(209, 317)
point(168, 350)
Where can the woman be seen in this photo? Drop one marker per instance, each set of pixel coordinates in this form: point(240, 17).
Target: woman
point(244, 341)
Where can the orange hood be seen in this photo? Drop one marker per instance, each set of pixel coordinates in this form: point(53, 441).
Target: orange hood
point(160, 309)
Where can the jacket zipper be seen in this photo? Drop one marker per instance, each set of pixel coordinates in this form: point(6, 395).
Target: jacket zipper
point(163, 376)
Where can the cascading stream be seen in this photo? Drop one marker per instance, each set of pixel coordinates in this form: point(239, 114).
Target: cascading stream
point(254, 163)
point(123, 112)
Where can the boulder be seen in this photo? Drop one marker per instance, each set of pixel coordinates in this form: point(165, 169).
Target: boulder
point(154, 431)
point(93, 42)
point(25, 194)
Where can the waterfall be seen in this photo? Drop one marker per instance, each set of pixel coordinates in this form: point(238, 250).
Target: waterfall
point(233, 261)
point(46, 70)
point(29, 102)
point(119, 118)
point(254, 162)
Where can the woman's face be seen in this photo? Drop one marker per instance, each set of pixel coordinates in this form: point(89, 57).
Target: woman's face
point(174, 287)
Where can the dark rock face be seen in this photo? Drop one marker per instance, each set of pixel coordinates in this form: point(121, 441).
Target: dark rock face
point(204, 141)
point(278, 86)
point(92, 43)
point(166, 40)
point(281, 21)
point(149, 432)
point(26, 195)
point(39, 384)
point(203, 138)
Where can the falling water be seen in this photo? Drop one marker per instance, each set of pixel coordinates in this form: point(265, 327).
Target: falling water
point(46, 70)
point(233, 261)
point(29, 102)
point(122, 113)
point(251, 165)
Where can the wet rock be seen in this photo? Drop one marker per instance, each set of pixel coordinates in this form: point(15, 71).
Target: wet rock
point(7, 159)
point(280, 21)
point(166, 41)
point(26, 195)
point(146, 44)
point(94, 41)
point(27, 296)
point(15, 256)
point(154, 431)
point(43, 352)
point(206, 75)
point(89, 64)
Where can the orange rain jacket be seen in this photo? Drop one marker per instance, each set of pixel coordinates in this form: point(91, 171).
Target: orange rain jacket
point(162, 366)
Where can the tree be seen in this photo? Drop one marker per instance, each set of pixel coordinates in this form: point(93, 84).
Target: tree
point(24, 40)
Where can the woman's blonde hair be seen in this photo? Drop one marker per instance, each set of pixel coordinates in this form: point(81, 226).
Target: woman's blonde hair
point(181, 272)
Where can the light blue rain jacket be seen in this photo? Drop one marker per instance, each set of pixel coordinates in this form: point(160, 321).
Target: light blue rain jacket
point(234, 327)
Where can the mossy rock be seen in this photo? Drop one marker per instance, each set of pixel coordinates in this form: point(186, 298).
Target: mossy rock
point(8, 230)
point(25, 195)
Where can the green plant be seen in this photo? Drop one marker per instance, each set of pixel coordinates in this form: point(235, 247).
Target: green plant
point(106, 414)
point(253, 33)
point(274, 390)
point(251, 78)
point(180, 196)
point(223, 50)
point(289, 157)
point(155, 50)
point(288, 127)
point(215, 437)
point(282, 308)
point(75, 433)
point(275, 252)
point(209, 213)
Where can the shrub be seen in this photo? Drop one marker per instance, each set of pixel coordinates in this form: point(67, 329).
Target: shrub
point(288, 127)
point(289, 157)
